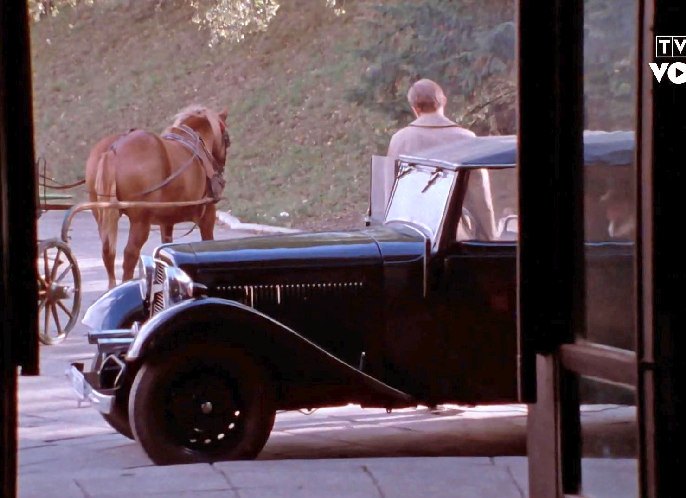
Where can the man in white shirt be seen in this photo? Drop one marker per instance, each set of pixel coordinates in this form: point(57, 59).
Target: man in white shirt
point(430, 129)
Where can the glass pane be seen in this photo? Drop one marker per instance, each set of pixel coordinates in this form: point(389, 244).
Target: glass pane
point(608, 411)
point(609, 204)
point(490, 209)
point(609, 440)
point(420, 197)
point(505, 203)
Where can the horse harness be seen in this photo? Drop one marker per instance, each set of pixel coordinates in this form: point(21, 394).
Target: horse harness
point(192, 141)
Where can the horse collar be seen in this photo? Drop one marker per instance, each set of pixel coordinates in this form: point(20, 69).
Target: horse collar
point(190, 139)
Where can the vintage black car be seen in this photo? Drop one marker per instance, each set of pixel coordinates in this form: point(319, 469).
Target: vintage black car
point(418, 307)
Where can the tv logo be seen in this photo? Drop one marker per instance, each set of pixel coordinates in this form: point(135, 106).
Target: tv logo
point(676, 71)
point(670, 47)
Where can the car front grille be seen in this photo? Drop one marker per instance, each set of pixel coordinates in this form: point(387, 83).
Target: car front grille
point(157, 298)
point(278, 294)
point(159, 273)
point(157, 303)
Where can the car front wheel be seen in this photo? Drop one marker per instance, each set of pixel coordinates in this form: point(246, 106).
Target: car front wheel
point(203, 404)
point(118, 418)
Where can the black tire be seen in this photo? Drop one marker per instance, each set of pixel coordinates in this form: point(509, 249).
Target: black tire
point(202, 404)
point(119, 418)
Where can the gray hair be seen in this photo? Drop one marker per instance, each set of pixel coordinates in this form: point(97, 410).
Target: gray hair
point(426, 96)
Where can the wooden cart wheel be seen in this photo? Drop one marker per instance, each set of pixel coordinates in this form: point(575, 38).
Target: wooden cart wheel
point(59, 291)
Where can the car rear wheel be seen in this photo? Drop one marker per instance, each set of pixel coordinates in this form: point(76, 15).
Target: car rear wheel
point(204, 404)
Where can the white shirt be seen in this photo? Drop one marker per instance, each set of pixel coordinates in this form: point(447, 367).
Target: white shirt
point(428, 130)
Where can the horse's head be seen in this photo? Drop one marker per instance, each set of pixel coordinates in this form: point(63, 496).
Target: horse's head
point(211, 127)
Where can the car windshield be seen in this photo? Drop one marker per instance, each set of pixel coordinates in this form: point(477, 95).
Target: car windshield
point(420, 196)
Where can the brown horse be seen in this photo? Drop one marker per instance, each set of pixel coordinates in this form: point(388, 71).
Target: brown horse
point(183, 164)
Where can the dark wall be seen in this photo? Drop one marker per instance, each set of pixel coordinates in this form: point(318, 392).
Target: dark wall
point(18, 279)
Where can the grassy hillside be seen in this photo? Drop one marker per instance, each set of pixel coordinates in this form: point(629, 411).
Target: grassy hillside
point(301, 145)
point(300, 151)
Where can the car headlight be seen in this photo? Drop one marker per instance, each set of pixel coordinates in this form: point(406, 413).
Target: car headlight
point(146, 272)
point(177, 286)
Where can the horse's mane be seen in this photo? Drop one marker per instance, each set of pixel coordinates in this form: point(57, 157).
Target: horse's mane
point(198, 111)
point(191, 111)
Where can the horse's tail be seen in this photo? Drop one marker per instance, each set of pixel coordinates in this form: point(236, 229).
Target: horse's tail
point(106, 190)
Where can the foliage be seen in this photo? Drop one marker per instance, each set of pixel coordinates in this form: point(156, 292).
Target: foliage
point(230, 20)
point(609, 64)
point(42, 8)
point(466, 46)
point(234, 19)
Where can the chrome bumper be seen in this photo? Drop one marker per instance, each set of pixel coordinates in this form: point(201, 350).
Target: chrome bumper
point(102, 400)
point(96, 336)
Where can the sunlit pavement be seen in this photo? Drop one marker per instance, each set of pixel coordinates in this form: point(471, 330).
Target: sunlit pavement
point(67, 450)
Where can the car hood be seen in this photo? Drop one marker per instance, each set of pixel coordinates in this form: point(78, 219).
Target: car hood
point(321, 249)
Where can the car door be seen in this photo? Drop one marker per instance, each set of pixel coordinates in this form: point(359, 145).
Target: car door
point(474, 291)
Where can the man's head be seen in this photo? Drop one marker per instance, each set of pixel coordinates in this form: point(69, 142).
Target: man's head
point(426, 96)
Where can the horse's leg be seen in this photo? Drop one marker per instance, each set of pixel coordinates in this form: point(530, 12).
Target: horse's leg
point(107, 228)
point(166, 233)
point(108, 256)
point(206, 223)
point(138, 235)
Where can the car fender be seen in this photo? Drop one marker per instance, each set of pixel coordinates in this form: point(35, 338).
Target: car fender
point(272, 342)
point(118, 308)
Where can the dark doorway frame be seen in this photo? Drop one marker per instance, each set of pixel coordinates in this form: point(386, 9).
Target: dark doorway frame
point(550, 151)
point(661, 269)
point(18, 204)
point(551, 189)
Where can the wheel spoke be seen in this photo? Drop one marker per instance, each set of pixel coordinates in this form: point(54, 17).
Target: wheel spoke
point(68, 312)
point(56, 317)
point(46, 322)
point(58, 293)
point(62, 275)
point(46, 270)
point(56, 265)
